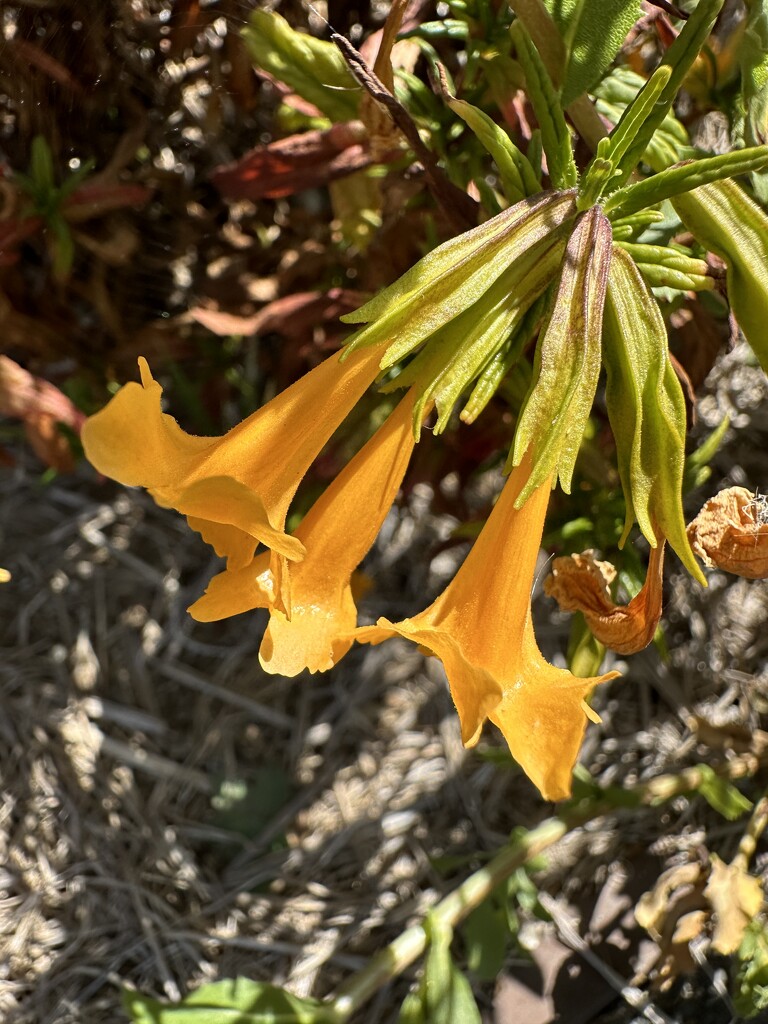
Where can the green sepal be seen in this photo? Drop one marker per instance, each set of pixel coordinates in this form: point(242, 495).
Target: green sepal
point(453, 357)
point(646, 410)
point(313, 68)
point(517, 177)
point(727, 222)
point(679, 57)
point(567, 363)
point(555, 136)
point(684, 178)
point(502, 361)
point(449, 279)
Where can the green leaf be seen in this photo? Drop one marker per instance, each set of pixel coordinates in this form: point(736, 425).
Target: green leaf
point(697, 469)
point(593, 32)
point(727, 222)
point(232, 1001)
point(555, 137)
point(668, 144)
point(637, 113)
point(721, 795)
point(41, 165)
point(517, 177)
point(753, 61)
point(646, 410)
point(751, 985)
point(567, 363)
point(684, 178)
point(313, 68)
point(444, 995)
point(486, 936)
point(679, 57)
point(663, 267)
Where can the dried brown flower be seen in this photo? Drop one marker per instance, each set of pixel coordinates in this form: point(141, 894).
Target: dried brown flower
point(731, 533)
point(580, 583)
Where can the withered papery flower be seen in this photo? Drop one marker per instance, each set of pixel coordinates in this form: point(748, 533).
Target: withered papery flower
point(235, 490)
point(580, 583)
point(315, 626)
point(731, 533)
point(480, 627)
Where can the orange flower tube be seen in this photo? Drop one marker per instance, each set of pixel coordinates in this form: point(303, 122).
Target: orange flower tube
point(480, 627)
point(337, 532)
point(235, 490)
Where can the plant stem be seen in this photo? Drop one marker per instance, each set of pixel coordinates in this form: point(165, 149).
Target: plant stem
point(410, 944)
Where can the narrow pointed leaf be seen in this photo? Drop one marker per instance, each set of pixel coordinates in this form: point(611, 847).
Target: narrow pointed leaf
point(679, 57)
point(663, 267)
point(444, 995)
point(555, 136)
point(567, 363)
point(684, 178)
point(231, 1001)
point(753, 60)
point(593, 32)
point(517, 177)
point(637, 113)
point(725, 220)
point(312, 67)
point(646, 409)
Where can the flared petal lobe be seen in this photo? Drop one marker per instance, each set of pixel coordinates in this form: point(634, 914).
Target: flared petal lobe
point(316, 628)
point(480, 627)
point(235, 489)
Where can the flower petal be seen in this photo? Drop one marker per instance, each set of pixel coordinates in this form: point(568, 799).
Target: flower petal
point(133, 441)
point(236, 591)
point(245, 479)
point(480, 627)
point(229, 502)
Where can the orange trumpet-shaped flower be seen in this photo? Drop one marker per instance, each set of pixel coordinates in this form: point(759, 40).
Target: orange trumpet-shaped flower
point(337, 532)
point(480, 627)
point(235, 490)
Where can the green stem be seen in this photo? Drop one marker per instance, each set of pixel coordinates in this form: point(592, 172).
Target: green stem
point(411, 944)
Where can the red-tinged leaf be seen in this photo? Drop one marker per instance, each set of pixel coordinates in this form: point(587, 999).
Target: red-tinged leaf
point(94, 200)
point(295, 163)
point(13, 231)
point(41, 407)
point(28, 53)
point(292, 315)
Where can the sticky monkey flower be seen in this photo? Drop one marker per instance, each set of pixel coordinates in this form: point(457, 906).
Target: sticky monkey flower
point(480, 627)
point(235, 490)
point(316, 627)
